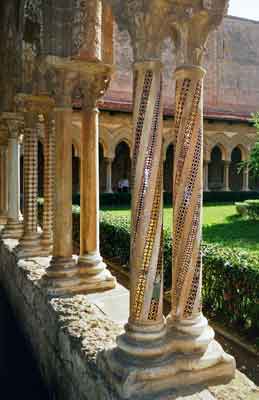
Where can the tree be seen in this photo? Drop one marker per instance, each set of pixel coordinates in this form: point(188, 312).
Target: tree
point(253, 161)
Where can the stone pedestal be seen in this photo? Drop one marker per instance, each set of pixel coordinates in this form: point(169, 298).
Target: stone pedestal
point(14, 227)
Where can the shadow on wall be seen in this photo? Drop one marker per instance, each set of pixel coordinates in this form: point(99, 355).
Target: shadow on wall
point(19, 375)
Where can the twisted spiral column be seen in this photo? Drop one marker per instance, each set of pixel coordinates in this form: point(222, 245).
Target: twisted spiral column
point(186, 312)
point(30, 242)
point(49, 163)
point(146, 321)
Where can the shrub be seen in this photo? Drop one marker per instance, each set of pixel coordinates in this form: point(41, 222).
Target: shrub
point(241, 209)
point(230, 277)
point(252, 207)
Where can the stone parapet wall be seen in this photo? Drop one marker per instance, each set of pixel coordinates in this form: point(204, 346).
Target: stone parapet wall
point(67, 335)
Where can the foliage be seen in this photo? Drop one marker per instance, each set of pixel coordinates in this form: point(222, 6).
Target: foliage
point(253, 161)
point(241, 209)
point(230, 277)
point(108, 200)
point(249, 208)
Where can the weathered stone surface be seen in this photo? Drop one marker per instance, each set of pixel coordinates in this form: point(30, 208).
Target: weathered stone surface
point(67, 334)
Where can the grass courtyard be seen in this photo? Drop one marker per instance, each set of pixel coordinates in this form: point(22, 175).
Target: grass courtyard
point(221, 225)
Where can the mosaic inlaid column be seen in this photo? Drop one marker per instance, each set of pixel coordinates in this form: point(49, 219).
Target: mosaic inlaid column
point(29, 245)
point(49, 182)
point(245, 186)
point(146, 321)
point(186, 312)
point(226, 187)
point(60, 278)
point(3, 184)
point(14, 227)
point(109, 162)
point(93, 271)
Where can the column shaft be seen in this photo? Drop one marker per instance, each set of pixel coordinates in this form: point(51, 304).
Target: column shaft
point(49, 163)
point(61, 277)
point(205, 176)
point(146, 321)
point(3, 189)
point(14, 227)
point(226, 176)
point(245, 186)
point(63, 186)
point(93, 270)
point(109, 175)
point(29, 244)
point(187, 219)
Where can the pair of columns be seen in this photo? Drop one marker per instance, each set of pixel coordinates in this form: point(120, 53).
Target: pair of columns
point(155, 353)
point(67, 275)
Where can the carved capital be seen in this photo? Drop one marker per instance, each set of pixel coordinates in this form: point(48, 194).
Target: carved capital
point(147, 23)
point(191, 23)
point(94, 82)
point(14, 123)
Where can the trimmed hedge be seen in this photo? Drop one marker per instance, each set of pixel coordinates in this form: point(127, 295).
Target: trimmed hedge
point(124, 199)
point(230, 277)
point(249, 208)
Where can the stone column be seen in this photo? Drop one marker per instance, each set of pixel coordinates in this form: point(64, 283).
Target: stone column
point(187, 221)
point(190, 333)
point(93, 271)
point(61, 276)
point(245, 186)
point(226, 187)
point(14, 227)
point(135, 362)
point(109, 162)
point(205, 175)
point(49, 182)
point(3, 184)
point(29, 245)
point(146, 321)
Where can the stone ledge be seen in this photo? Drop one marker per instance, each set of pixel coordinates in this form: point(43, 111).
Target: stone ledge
point(67, 335)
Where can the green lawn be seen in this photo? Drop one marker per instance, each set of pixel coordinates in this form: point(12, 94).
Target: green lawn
point(220, 225)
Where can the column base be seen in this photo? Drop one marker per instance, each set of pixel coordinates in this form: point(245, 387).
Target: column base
point(47, 245)
point(132, 379)
point(29, 247)
point(93, 274)
point(12, 230)
point(61, 277)
point(3, 219)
